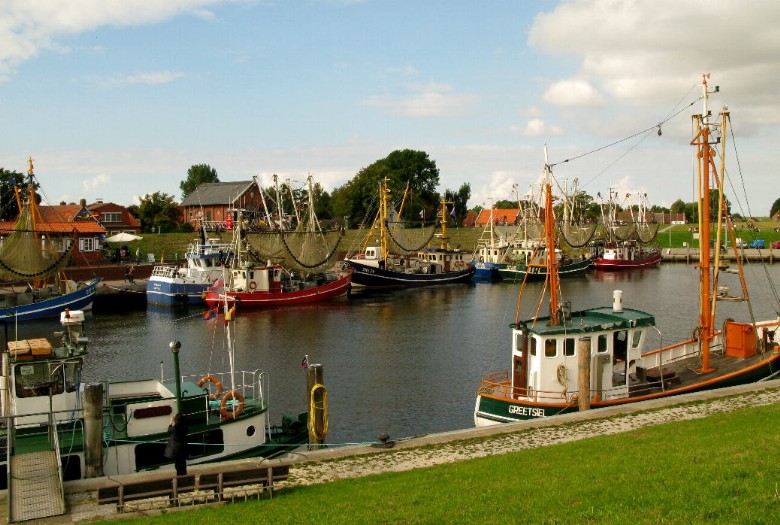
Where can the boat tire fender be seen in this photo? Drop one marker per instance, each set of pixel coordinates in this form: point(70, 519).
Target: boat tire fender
point(217, 386)
point(234, 411)
point(252, 285)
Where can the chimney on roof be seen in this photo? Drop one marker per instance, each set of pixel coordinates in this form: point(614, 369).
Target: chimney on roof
point(83, 203)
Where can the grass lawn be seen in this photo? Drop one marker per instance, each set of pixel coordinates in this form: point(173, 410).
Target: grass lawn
point(720, 469)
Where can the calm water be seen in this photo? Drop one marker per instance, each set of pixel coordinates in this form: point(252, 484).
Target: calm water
point(406, 362)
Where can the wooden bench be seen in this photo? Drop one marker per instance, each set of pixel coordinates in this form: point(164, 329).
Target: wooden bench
point(262, 478)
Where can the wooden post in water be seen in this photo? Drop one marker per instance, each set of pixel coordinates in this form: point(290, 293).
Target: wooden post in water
point(93, 430)
point(583, 361)
point(317, 397)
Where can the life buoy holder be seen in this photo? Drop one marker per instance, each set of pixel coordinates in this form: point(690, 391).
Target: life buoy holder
point(252, 285)
point(217, 386)
point(233, 411)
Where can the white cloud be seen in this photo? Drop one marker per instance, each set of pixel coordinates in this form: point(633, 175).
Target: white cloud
point(95, 182)
point(426, 101)
point(29, 27)
point(149, 78)
point(573, 92)
point(643, 53)
point(539, 128)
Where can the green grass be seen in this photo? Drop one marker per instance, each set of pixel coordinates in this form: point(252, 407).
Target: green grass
point(720, 469)
point(171, 245)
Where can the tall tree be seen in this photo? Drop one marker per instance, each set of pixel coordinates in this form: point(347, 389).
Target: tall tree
point(158, 212)
point(197, 175)
point(775, 208)
point(354, 199)
point(8, 179)
point(460, 199)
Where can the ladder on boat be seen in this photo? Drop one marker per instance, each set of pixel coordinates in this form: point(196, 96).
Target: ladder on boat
point(35, 488)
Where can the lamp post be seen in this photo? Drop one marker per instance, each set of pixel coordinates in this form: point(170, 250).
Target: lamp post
point(175, 346)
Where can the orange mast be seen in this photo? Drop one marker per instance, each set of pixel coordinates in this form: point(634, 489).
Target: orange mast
point(704, 163)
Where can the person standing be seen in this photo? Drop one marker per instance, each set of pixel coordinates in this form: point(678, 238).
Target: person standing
point(177, 444)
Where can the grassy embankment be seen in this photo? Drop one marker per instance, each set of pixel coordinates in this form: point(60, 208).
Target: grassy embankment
point(173, 245)
point(720, 469)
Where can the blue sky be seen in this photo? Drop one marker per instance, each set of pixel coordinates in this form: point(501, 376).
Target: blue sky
point(114, 99)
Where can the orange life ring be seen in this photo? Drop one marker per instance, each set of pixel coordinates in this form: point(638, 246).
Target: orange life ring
point(217, 386)
point(226, 412)
point(252, 285)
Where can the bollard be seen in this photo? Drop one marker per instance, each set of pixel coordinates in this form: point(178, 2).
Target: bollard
point(583, 354)
point(93, 430)
point(317, 397)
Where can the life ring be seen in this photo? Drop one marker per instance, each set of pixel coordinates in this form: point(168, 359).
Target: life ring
point(217, 386)
point(252, 285)
point(228, 413)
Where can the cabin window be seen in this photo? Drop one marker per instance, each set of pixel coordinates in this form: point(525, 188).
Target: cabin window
point(568, 346)
point(532, 349)
point(40, 379)
point(550, 348)
point(636, 339)
point(619, 345)
point(519, 341)
point(602, 344)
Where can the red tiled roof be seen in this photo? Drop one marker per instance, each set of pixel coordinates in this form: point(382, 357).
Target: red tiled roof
point(500, 216)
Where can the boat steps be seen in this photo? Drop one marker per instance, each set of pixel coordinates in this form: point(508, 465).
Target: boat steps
point(35, 486)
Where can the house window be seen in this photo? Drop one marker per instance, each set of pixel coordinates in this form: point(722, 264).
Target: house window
point(111, 216)
point(87, 244)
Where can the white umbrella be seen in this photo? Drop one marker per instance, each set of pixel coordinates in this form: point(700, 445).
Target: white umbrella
point(123, 237)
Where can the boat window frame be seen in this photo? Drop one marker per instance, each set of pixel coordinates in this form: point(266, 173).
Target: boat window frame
point(548, 347)
point(636, 338)
point(602, 344)
point(569, 352)
point(532, 346)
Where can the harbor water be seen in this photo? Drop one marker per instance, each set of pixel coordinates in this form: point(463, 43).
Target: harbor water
point(406, 362)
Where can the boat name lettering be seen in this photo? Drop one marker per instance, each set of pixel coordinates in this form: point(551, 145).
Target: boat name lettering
point(526, 411)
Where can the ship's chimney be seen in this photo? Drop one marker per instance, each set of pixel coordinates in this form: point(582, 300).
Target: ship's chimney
point(617, 301)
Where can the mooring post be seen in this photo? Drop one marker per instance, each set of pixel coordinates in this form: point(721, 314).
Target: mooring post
point(93, 430)
point(318, 405)
point(175, 347)
point(583, 353)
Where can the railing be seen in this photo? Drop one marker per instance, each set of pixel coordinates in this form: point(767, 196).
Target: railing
point(165, 271)
point(251, 384)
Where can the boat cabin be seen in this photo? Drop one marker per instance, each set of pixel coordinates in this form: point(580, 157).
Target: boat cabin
point(264, 279)
point(616, 338)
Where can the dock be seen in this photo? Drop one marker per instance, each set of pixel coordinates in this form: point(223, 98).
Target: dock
point(691, 255)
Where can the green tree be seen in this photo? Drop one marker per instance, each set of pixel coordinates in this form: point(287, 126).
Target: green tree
point(197, 175)
point(8, 179)
point(460, 200)
point(159, 212)
point(505, 205)
point(357, 198)
point(775, 208)
point(678, 206)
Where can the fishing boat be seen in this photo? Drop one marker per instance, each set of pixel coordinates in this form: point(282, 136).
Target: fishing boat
point(172, 284)
point(488, 254)
point(605, 356)
point(61, 429)
point(33, 254)
point(628, 244)
point(251, 284)
point(377, 267)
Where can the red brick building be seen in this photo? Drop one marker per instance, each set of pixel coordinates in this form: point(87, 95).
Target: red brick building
point(211, 201)
point(114, 218)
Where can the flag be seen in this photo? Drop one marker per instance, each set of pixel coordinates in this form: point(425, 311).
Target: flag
point(211, 313)
point(229, 314)
point(452, 213)
point(422, 213)
point(305, 362)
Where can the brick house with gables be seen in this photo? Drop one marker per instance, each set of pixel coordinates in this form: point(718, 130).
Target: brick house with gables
point(114, 218)
point(212, 200)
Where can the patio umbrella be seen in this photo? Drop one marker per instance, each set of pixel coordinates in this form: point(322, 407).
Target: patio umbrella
point(123, 237)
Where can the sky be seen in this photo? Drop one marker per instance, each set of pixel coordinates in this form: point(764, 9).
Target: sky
point(115, 99)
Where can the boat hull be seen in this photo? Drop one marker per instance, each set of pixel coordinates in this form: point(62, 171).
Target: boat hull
point(81, 299)
point(517, 272)
point(373, 277)
point(486, 272)
point(167, 292)
point(626, 264)
point(261, 299)
point(492, 409)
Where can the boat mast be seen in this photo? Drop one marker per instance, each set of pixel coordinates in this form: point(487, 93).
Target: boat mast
point(384, 200)
point(445, 239)
point(704, 176)
point(549, 235)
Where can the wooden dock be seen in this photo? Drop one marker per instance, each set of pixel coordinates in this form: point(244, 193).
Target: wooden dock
point(690, 255)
